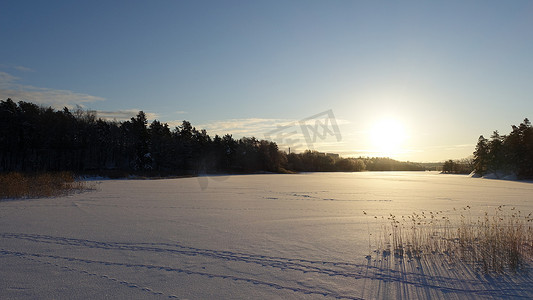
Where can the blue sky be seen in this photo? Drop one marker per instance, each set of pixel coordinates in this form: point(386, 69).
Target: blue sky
point(438, 74)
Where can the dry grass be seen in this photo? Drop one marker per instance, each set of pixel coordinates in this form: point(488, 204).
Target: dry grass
point(498, 241)
point(17, 185)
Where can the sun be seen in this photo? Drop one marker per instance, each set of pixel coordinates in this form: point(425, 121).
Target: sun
point(388, 137)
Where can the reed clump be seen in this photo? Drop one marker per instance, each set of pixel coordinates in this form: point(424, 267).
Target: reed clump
point(16, 185)
point(494, 242)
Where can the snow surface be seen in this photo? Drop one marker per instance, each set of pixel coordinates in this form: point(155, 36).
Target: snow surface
point(268, 236)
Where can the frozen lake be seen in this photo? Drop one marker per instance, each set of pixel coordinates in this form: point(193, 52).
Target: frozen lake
point(266, 236)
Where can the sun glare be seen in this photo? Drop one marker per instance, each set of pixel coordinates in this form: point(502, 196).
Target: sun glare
point(388, 137)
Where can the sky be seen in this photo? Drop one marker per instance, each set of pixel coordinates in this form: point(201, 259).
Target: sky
point(412, 80)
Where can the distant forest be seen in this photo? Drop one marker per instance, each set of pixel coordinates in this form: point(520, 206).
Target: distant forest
point(35, 138)
point(506, 154)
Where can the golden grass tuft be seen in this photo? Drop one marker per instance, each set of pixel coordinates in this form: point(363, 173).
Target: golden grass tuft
point(17, 185)
point(493, 243)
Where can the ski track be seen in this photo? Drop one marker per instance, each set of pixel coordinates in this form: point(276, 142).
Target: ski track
point(264, 261)
point(35, 258)
point(379, 275)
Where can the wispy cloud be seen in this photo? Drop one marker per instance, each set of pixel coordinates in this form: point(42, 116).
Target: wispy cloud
point(453, 147)
point(23, 69)
point(285, 132)
point(257, 127)
point(7, 79)
point(243, 127)
point(10, 88)
point(450, 147)
point(124, 115)
point(17, 68)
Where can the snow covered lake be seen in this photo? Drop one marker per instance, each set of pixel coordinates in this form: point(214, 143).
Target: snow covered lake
point(299, 236)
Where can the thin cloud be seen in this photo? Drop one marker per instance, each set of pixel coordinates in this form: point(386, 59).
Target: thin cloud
point(257, 127)
point(453, 147)
point(23, 69)
point(7, 79)
point(450, 147)
point(284, 132)
point(243, 127)
point(9, 88)
point(124, 115)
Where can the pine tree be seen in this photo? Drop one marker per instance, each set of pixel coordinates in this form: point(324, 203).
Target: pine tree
point(481, 156)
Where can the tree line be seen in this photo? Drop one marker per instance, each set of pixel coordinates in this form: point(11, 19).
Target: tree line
point(313, 161)
point(36, 138)
point(507, 154)
point(458, 166)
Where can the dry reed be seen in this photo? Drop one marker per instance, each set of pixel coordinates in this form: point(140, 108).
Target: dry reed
point(493, 243)
point(17, 185)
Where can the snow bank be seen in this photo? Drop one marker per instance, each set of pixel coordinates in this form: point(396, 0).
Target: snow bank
point(501, 175)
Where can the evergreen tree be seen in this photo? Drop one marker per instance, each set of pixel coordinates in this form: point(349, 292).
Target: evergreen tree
point(495, 158)
point(481, 155)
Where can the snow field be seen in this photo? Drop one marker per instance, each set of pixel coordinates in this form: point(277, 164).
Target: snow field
point(299, 236)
